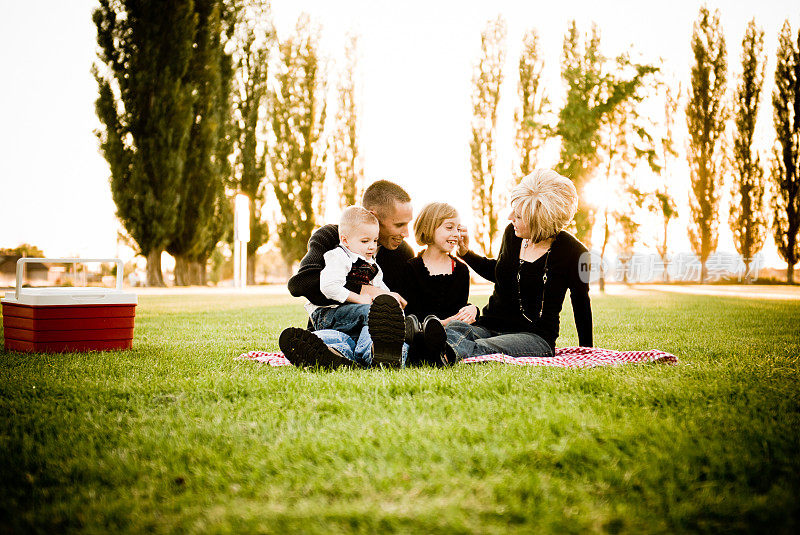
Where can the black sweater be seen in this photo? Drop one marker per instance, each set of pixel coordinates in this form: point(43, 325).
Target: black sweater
point(564, 261)
point(440, 295)
point(305, 283)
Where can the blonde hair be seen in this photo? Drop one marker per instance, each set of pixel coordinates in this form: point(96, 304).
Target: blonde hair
point(547, 201)
point(429, 220)
point(353, 217)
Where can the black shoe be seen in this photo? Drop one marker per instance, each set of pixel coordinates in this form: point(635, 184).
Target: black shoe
point(413, 330)
point(387, 328)
point(304, 348)
point(435, 341)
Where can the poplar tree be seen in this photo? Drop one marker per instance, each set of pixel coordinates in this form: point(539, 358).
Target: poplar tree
point(297, 109)
point(529, 117)
point(662, 203)
point(624, 143)
point(595, 87)
point(786, 155)
point(486, 81)
point(705, 118)
point(747, 218)
point(205, 163)
point(145, 108)
point(346, 154)
point(254, 39)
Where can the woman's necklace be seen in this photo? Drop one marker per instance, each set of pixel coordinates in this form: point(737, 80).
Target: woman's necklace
point(544, 244)
point(532, 251)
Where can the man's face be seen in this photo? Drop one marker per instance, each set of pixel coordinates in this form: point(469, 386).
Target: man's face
point(394, 225)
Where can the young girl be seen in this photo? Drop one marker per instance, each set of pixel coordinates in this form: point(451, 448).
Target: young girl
point(435, 283)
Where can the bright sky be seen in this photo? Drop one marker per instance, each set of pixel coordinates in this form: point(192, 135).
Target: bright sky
point(416, 69)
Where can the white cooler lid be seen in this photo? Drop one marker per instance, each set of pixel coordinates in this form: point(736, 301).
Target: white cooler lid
point(70, 296)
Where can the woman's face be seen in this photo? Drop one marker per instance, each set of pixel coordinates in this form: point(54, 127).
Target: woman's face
point(521, 227)
point(445, 237)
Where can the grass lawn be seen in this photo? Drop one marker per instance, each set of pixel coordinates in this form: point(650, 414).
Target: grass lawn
point(177, 436)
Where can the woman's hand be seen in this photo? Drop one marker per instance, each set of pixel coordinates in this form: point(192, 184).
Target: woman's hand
point(463, 241)
point(467, 314)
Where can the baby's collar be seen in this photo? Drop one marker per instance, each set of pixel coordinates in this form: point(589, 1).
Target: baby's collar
point(354, 256)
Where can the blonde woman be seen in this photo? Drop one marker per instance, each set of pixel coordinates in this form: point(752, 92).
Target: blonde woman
point(538, 262)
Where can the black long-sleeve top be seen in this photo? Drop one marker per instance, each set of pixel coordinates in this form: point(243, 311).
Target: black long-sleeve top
point(441, 295)
point(305, 283)
point(515, 298)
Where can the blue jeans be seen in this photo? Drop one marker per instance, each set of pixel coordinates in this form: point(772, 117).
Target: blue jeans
point(344, 328)
point(472, 340)
point(349, 318)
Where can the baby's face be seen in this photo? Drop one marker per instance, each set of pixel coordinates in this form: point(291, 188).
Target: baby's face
point(363, 241)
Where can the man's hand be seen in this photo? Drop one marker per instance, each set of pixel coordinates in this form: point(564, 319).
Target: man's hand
point(467, 314)
point(463, 242)
point(399, 298)
point(371, 291)
point(359, 299)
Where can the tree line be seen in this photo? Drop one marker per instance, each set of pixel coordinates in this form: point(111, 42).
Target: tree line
point(606, 136)
point(202, 99)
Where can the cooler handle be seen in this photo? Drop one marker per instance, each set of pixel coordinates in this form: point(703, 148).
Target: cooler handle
point(22, 261)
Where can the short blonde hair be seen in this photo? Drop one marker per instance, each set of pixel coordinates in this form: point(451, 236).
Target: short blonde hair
point(547, 201)
point(353, 217)
point(429, 219)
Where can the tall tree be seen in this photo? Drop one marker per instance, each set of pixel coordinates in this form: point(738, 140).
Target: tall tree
point(786, 159)
point(747, 218)
point(346, 154)
point(628, 234)
point(661, 202)
point(254, 38)
point(204, 168)
point(595, 87)
point(530, 116)
point(705, 118)
point(145, 107)
point(297, 109)
point(486, 81)
point(222, 217)
point(624, 142)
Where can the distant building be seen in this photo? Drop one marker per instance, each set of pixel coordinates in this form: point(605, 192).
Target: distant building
point(35, 273)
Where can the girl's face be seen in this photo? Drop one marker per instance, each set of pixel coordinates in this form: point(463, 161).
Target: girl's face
point(445, 237)
point(521, 228)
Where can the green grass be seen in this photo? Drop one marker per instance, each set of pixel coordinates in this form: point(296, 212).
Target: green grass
point(177, 436)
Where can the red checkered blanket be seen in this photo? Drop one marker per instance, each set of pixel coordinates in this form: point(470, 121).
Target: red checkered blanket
point(565, 357)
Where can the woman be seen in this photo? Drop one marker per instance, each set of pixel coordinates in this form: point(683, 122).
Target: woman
point(537, 264)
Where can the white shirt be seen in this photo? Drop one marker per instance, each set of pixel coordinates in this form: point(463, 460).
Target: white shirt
point(332, 278)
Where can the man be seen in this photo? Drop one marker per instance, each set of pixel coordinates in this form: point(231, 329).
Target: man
point(392, 206)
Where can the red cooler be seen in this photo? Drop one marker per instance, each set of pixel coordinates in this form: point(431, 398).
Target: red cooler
point(68, 319)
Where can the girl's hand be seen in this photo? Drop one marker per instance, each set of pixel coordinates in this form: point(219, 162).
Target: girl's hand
point(463, 240)
point(467, 314)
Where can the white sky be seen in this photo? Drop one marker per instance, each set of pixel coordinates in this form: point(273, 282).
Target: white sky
point(416, 69)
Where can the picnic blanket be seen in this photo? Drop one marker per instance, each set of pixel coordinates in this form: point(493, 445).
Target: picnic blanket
point(565, 357)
